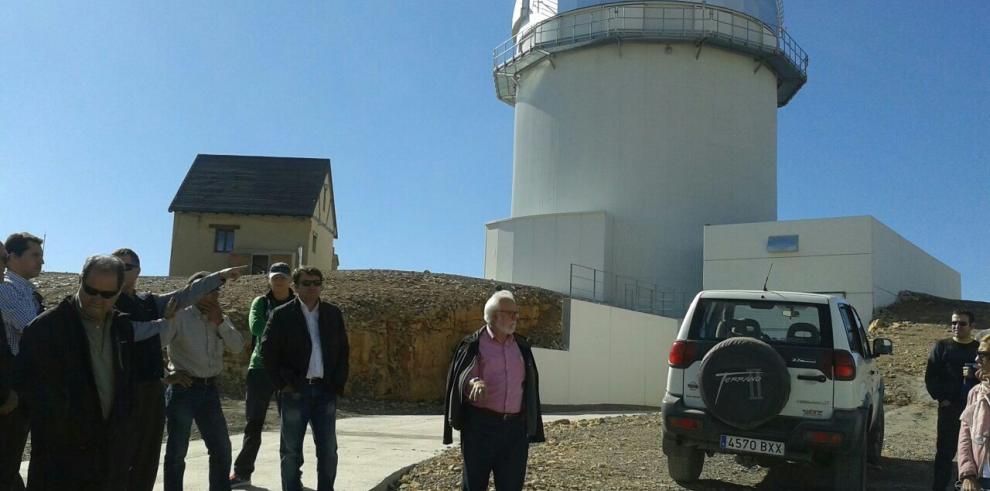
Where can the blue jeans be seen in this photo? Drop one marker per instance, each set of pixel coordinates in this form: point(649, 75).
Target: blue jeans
point(315, 405)
point(200, 403)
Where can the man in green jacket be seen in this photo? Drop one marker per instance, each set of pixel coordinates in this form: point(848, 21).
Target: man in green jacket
point(259, 387)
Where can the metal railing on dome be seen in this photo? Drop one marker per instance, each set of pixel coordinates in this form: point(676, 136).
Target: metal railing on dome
point(674, 22)
point(627, 292)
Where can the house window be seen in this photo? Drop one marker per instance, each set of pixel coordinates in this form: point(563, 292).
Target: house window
point(224, 240)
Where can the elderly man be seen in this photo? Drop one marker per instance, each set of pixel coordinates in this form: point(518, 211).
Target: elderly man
point(196, 339)
point(305, 351)
point(259, 386)
point(75, 377)
point(149, 392)
point(493, 398)
point(20, 303)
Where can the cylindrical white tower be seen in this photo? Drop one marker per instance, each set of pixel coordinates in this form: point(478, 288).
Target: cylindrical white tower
point(659, 116)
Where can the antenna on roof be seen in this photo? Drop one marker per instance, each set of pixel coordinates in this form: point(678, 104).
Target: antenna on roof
point(768, 277)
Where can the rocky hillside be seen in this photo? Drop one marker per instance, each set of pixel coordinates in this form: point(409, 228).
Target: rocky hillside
point(402, 325)
point(914, 323)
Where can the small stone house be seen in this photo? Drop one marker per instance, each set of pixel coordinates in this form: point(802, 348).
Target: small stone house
point(235, 210)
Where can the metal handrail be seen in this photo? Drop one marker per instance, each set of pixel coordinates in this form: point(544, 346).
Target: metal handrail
point(649, 21)
point(626, 292)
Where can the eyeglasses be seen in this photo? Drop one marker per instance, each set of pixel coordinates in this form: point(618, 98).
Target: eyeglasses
point(960, 323)
point(512, 313)
point(94, 292)
point(311, 283)
point(131, 267)
point(983, 354)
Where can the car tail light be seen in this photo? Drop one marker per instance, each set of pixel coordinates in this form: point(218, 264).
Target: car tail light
point(682, 354)
point(689, 424)
point(843, 365)
point(826, 438)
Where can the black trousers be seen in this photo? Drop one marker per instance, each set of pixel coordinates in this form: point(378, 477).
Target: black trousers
point(491, 445)
point(13, 436)
point(259, 395)
point(149, 426)
point(945, 445)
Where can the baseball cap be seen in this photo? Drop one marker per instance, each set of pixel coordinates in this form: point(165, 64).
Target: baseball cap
point(279, 269)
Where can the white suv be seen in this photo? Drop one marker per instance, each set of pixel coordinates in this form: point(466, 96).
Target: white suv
point(774, 376)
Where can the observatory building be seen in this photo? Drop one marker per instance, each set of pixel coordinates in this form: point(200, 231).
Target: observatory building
point(640, 128)
point(637, 124)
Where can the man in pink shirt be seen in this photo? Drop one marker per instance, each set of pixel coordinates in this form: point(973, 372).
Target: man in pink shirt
point(493, 399)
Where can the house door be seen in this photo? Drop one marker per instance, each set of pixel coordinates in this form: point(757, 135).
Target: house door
point(259, 264)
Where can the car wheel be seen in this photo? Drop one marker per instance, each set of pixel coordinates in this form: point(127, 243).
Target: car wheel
point(684, 464)
point(849, 470)
point(876, 439)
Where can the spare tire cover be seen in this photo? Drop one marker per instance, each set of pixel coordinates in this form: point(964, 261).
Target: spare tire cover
point(744, 382)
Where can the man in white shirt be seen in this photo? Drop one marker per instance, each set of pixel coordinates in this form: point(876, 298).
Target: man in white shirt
point(196, 339)
point(305, 352)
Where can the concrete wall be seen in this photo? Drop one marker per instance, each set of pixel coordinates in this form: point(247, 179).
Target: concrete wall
point(664, 143)
point(900, 265)
point(857, 257)
point(614, 356)
point(193, 239)
point(539, 250)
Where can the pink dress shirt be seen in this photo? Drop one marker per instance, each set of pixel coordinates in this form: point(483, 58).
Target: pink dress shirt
point(502, 368)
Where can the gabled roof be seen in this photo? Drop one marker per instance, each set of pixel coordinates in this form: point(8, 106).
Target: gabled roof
point(254, 186)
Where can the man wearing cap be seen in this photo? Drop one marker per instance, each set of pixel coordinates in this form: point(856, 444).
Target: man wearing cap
point(196, 339)
point(259, 386)
point(149, 392)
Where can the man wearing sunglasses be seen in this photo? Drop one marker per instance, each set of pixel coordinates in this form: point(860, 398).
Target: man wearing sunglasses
point(149, 392)
point(305, 351)
point(20, 303)
point(75, 378)
point(945, 380)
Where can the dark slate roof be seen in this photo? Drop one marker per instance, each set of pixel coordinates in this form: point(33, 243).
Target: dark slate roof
point(253, 186)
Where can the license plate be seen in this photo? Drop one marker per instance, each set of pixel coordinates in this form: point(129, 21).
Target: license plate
point(751, 445)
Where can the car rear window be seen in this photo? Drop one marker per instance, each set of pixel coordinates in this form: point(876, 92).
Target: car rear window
point(775, 322)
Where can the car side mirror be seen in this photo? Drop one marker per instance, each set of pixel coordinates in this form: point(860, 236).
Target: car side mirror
point(883, 346)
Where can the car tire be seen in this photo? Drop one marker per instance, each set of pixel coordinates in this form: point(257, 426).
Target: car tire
point(684, 464)
point(750, 400)
point(875, 448)
point(849, 470)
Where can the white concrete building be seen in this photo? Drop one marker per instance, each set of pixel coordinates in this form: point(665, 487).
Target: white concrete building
point(637, 123)
point(856, 257)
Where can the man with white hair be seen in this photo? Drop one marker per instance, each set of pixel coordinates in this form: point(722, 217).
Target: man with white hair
point(493, 399)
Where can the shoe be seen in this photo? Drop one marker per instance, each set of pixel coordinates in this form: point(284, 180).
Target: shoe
point(237, 482)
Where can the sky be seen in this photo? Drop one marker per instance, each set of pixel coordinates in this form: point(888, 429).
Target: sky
point(104, 106)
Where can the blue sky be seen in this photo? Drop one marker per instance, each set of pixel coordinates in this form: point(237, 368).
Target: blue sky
point(105, 105)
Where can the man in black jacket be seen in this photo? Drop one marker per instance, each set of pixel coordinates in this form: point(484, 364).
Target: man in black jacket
point(305, 351)
point(75, 377)
point(493, 399)
point(944, 377)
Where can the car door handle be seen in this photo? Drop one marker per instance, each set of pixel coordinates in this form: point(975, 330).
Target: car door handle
point(816, 378)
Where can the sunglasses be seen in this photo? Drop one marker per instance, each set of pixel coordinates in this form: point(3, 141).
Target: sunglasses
point(311, 283)
point(131, 267)
point(94, 292)
point(960, 323)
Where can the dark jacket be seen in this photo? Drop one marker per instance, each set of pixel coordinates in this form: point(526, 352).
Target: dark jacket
point(943, 372)
point(286, 347)
point(55, 382)
point(455, 401)
point(6, 365)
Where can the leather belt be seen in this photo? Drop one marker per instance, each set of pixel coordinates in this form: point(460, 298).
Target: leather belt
point(314, 381)
point(495, 414)
point(204, 381)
